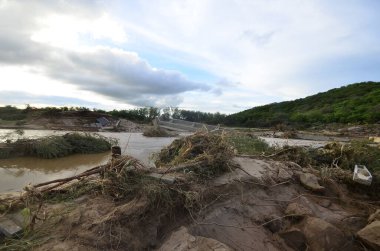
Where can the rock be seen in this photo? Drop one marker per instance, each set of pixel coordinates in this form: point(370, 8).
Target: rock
point(165, 178)
point(298, 209)
point(283, 175)
point(370, 235)
point(375, 216)
point(276, 225)
point(9, 228)
point(182, 240)
point(354, 223)
point(294, 238)
point(19, 218)
point(310, 181)
point(321, 235)
point(325, 203)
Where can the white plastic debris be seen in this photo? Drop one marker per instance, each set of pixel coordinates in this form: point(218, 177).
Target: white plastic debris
point(362, 175)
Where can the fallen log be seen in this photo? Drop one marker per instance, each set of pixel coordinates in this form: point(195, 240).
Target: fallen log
point(89, 172)
point(112, 166)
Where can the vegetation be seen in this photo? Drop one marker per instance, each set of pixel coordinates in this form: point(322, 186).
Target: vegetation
point(142, 115)
point(11, 113)
point(139, 199)
point(355, 103)
point(57, 146)
point(148, 114)
point(333, 155)
point(245, 143)
point(156, 132)
point(200, 117)
point(210, 150)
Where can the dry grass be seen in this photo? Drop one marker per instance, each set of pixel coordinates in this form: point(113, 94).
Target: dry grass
point(210, 149)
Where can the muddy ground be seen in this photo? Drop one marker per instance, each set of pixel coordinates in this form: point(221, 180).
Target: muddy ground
point(258, 205)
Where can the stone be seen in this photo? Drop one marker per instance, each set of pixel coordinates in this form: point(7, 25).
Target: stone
point(275, 226)
point(283, 175)
point(294, 238)
point(18, 218)
point(375, 216)
point(165, 178)
point(321, 235)
point(354, 223)
point(9, 228)
point(370, 235)
point(325, 203)
point(298, 209)
point(182, 240)
point(310, 181)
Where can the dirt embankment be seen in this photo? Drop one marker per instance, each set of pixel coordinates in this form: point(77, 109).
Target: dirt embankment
point(73, 122)
point(260, 205)
point(211, 202)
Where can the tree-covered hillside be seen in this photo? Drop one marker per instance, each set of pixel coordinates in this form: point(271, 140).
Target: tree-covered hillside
point(355, 103)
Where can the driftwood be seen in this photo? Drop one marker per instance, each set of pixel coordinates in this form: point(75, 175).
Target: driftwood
point(263, 155)
point(86, 173)
point(116, 165)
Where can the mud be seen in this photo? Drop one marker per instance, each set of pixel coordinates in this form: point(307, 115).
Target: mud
point(260, 205)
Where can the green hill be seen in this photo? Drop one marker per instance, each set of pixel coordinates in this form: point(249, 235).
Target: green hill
point(355, 103)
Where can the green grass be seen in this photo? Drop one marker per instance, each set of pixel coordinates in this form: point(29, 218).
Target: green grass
point(58, 146)
point(246, 143)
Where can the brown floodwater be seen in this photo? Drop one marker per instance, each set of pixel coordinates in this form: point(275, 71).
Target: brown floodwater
point(16, 173)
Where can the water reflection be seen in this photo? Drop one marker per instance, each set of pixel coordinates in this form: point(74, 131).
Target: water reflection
point(16, 173)
point(54, 165)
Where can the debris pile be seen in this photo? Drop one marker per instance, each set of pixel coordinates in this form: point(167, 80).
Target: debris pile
point(262, 204)
point(209, 153)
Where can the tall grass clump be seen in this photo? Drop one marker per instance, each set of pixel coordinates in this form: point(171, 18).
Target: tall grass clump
point(245, 143)
point(210, 150)
point(156, 132)
point(88, 143)
point(48, 147)
point(58, 146)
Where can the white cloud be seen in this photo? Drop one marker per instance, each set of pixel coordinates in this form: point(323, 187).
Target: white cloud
point(53, 46)
point(261, 44)
point(67, 31)
point(273, 50)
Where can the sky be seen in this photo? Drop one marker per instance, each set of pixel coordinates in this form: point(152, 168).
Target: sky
point(208, 55)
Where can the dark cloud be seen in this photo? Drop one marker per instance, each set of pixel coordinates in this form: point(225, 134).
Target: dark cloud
point(115, 73)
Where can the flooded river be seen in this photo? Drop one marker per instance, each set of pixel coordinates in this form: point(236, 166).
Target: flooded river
point(16, 173)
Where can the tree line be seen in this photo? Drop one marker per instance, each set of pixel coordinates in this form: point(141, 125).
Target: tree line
point(355, 103)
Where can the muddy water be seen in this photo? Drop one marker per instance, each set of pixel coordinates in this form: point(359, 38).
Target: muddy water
point(16, 173)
